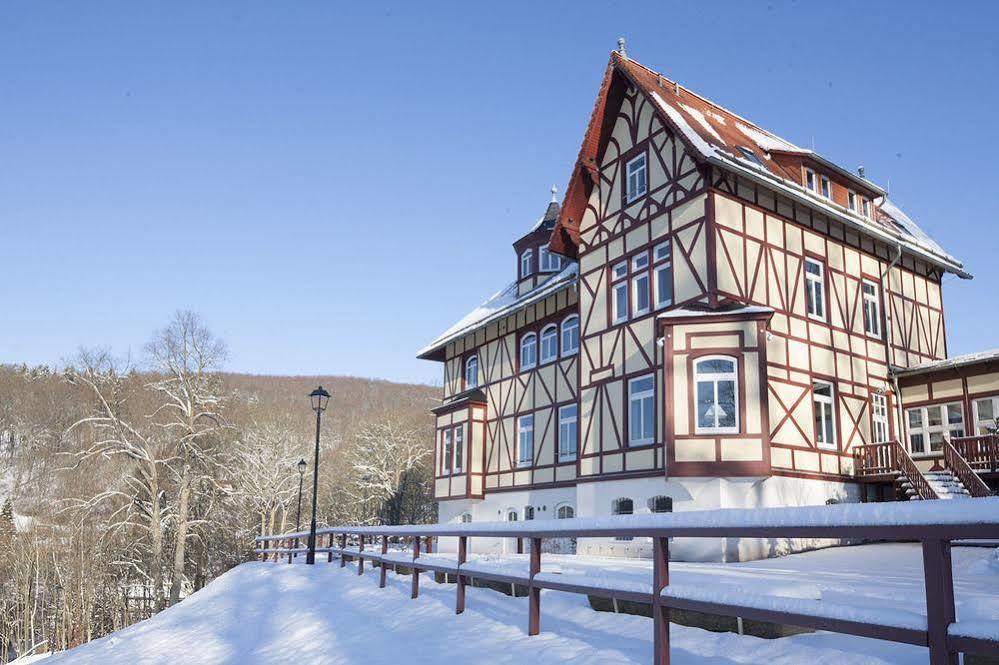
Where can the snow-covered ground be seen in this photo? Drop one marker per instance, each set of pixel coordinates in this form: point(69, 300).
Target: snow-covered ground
point(272, 613)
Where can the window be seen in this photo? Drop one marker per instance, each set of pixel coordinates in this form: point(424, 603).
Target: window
point(623, 507)
point(525, 439)
point(825, 425)
point(619, 293)
point(986, 412)
point(448, 451)
point(641, 410)
point(640, 294)
point(879, 419)
point(928, 425)
point(471, 372)
point(717, 400)
point(549, 262)
point(826, 187)
point(866, 206)
point(851, 200)
point(750, 155)
point(459, 448)
point(637, 178)
point(466, 518)
point(528, 512)
point(872, 308)
point(549, 344)
point(662, 275)
point(511, 515)
point(661, 504)
point(810, 179)
point(565, 512)
point(570, 336)
point(528, 351)
point(568, 416)
point(815, 287)
point(525, 263)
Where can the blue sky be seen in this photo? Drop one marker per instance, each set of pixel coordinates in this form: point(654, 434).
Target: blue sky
point(331, 185)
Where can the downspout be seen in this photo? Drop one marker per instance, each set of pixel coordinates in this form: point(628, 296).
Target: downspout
point(892, 377)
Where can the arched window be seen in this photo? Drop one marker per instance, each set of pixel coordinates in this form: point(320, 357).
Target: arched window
point(528, 351)
point(526, 260)
point(570, 336)
point(565, 512)
point(549, 344)
point(528, 512)
point(623, 506)
point(511, 515)
point(471, 372)
point(466, 518)
point(717, 397)
point(549, 262)
point(661, 504)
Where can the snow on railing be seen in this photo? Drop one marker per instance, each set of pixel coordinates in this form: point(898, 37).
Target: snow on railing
point(934, 524)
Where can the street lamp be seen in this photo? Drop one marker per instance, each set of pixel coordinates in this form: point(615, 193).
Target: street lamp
point(320, 398)
point(302, 464)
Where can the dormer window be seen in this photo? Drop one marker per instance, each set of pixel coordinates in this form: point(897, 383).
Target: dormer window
point(851, 200)
point(549, 262)
point(525, 263)
point(826, 187)
point(866, 207)
point(810, 179)
point(638, 180)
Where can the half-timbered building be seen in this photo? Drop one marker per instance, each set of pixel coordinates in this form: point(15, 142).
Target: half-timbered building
point(714, 317)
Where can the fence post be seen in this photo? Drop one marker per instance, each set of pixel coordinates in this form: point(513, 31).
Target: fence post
point(360, 555)
point(293, 543)
point(660, 614)
point(939, 578)
point(520, 546)
point(329, 544)
point(264, 546)
point(534, 593)
point(416, 573)
point(381, 570)
point(428, 544)
point(343, 546)
point(459, 606)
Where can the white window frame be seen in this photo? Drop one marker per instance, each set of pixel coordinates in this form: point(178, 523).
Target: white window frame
point(619, 290)
point(879, 419)
point(525, 440)
point(872, 320)
point(925, 429)
point(641, 175)
point(662, 262)
point(816, 286)
point(825, 187)
point(469, 362)
point(982, 426)
point(715, 378)
point(548, 262)
point(569, 347)
point(819, 401)
point(851, 200)
point(459, 450)
point(616, 510)
point(526, 259)
point(466, 518)
point(640, 274)
point(866, 206)
point(646, 399)
point(567, 453)
point(448, 452)
point(548, 334)
point(561, 509)
point(810, 182)
point(533, 338)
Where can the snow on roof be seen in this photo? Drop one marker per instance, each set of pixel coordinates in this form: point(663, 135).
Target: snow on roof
point(949, 363)
point(502, 303)
point(917, 235)
point(683, 312)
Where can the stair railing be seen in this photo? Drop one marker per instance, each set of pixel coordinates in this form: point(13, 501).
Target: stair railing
point(912, 473)
point(980, 452)
point(957, 465)
point(891, 458)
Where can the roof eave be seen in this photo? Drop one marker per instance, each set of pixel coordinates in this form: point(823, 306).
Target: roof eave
point(846, 173)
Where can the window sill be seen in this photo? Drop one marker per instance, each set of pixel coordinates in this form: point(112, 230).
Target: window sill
point(641, 444)
point(717, 432)
point(569, 354)
point(566, 460)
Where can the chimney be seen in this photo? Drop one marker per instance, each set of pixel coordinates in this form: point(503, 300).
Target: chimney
point(620, 47)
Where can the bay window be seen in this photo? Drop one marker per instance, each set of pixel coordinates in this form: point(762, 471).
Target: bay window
point(717, 409)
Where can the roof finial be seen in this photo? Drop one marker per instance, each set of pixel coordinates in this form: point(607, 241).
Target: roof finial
point(554, 194)
point(620, 47)
point(860, 171)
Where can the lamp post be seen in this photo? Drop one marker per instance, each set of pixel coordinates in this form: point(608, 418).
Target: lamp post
point(320, 398)
point(302, 465)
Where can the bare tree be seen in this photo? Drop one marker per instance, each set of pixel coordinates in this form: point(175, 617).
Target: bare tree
point(188, 358)
point(266, 458)
point(382, 459)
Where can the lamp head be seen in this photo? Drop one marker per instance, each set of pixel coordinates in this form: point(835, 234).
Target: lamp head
point(320, 398)
point(301, 466)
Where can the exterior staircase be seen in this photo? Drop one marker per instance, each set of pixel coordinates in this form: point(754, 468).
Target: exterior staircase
point(888, 463)
point(947, 485)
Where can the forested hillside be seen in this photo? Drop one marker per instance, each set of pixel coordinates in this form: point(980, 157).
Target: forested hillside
point(125, 484)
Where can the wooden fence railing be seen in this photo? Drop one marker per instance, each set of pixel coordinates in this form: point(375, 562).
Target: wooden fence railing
point(933, 524)
point(972, 482)
point(885, 461)
point(980, 452)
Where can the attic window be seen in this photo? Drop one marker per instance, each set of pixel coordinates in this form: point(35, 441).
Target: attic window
point(826, 187)
point(851, 199)
point(810, 179)
point(750, 155)
point(637, 183)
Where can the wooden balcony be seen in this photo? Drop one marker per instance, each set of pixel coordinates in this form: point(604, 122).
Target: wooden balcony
point(980, 452)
